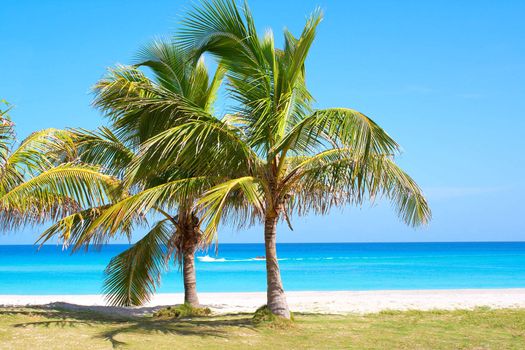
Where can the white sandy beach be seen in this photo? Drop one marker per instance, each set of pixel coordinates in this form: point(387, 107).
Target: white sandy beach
point(337, 302)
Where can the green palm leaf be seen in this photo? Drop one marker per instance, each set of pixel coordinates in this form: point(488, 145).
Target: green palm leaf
point(133, 275)
point(85, 184)
point(338, 177)
point(38, 152)
point(72, 230)
point(104, 148)
point(339, 127)
point(218, 200)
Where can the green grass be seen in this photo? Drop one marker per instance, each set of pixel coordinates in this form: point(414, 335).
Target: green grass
point(37, 328)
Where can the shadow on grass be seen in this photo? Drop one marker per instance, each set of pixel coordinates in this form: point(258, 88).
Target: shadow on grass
point(116, 325)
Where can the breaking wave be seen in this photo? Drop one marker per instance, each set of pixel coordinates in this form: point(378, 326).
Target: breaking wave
point(210, 259)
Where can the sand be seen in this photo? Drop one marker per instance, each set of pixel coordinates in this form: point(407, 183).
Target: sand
point(336, 302)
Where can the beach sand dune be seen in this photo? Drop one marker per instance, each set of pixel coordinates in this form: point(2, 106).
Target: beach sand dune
point(329, 302)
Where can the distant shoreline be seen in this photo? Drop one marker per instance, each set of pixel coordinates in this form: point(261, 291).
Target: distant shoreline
point(284, 243)
point(327, 302)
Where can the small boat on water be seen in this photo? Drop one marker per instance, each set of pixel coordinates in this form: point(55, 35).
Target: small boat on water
point(262, 257)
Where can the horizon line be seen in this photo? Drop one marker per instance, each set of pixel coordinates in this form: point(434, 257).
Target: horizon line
point(239, 243)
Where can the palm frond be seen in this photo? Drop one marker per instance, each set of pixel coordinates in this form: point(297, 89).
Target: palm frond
point(43, 149)
point(218, 27)
point(103, 148)
point(406, 196)
point(41, 209)
point(169, 63)
point(117, 95)
point(82, 183)
point(133, 276)
point(216, 201)
point(38, 152)
point(339, 177)
point(72, 230)
point(343, 126)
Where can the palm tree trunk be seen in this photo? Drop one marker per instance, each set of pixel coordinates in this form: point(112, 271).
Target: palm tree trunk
point(276, 299)
point(190, 279)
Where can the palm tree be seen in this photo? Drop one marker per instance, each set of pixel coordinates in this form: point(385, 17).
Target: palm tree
point(282, 156)
point(132, 276)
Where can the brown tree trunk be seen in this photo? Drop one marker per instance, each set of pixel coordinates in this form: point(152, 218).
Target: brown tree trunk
point(190, 279)
point(276, 299)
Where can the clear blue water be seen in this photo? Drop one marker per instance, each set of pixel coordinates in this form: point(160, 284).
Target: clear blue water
point(334, 266)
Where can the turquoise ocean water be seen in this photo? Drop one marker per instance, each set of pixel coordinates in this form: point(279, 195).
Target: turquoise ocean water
point(332, 266)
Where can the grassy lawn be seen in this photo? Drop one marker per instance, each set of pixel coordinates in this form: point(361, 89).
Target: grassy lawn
point(37, 328)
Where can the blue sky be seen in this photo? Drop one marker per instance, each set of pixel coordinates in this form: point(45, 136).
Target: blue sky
point(445, 78)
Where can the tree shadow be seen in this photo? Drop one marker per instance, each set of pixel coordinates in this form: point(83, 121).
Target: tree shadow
point(61, 310)
point(173, 328)
point(210, 326)
point(48, 324)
